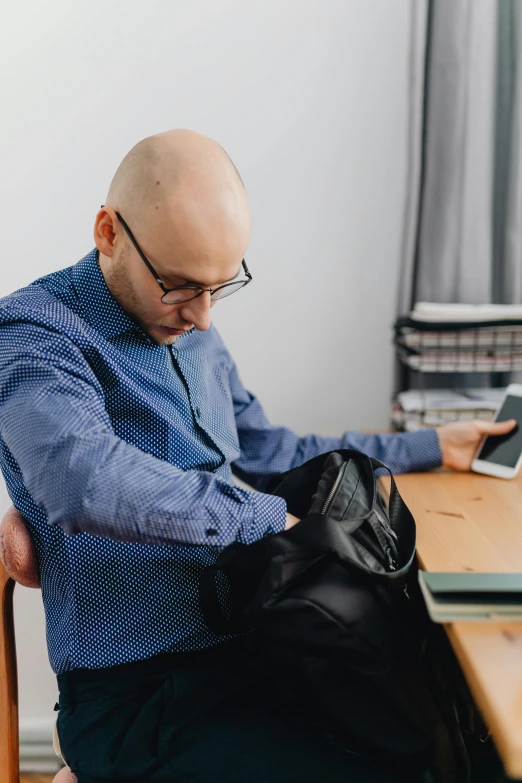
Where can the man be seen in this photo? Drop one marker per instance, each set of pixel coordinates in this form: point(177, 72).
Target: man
point(122, 415)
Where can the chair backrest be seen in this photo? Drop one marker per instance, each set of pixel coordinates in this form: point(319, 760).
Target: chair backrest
point(18, 563)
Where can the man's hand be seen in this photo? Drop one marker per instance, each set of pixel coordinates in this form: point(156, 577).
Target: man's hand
point(291, 521)
point(459, 441)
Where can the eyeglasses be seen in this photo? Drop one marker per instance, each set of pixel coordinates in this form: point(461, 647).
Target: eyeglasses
point(183, 293)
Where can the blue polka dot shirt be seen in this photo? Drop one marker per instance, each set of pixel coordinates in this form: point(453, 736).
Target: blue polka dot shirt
point(119, 453)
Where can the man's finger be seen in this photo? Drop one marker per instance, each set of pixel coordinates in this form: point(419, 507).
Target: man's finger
point(495, 428)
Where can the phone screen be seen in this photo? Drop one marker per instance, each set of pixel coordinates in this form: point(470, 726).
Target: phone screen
point(505, 449)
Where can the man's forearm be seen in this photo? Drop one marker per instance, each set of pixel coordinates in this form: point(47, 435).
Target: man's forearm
point(89, 480)
point(403, 452)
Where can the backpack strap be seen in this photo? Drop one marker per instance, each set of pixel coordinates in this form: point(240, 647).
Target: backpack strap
point(401, 518)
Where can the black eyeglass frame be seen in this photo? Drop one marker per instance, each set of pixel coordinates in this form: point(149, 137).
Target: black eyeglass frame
point(181, 287)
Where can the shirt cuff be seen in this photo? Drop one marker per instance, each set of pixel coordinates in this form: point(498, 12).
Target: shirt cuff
point(268, 517)
point(425, 451)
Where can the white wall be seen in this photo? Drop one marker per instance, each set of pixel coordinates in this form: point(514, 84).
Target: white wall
point(309, 99)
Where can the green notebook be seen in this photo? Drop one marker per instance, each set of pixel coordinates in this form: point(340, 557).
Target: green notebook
point(453, 597)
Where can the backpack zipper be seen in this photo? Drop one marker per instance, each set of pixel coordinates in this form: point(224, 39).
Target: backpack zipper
point(333, 489)
point(386, 525)
point(392, 563)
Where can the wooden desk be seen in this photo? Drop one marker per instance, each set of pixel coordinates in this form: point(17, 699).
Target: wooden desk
point(467, 522)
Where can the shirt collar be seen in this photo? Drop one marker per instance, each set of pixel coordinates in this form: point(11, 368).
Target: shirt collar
point(99, 306)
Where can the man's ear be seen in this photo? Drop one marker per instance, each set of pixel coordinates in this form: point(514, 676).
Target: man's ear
point(104, 233)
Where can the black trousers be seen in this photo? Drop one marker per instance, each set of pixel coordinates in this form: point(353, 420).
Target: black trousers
point(200, 717)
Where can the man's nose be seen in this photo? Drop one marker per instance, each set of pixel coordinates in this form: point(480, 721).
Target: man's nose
point(197, 311)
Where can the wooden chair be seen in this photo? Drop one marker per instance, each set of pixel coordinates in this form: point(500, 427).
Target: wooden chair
point(18, 563)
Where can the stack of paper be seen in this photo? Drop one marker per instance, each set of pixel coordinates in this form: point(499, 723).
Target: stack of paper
point(451, 313)
point(457, 361)
point(419, 408)
point(483, 339)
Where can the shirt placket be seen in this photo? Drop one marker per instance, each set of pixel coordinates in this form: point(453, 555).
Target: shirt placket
point(195, 404)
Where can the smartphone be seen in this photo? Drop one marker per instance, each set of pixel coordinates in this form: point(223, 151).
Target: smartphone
point(501, 455)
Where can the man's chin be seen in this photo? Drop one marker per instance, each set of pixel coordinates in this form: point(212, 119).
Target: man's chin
point(163, 335)
point(165, 340)
point(162, 339)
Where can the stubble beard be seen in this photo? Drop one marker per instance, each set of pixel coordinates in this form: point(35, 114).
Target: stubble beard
point(122, 290)
point(126, 295)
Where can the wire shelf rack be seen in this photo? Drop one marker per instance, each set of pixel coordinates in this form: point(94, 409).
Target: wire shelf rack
point(462, 347)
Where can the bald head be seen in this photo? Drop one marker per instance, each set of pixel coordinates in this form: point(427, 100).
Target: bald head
point(156, 167)
point(187, 207)
point(180, 188)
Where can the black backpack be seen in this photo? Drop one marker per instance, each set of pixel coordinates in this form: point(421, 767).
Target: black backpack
point(335, 606)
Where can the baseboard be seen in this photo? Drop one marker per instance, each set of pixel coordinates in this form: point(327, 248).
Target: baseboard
point(36, 745)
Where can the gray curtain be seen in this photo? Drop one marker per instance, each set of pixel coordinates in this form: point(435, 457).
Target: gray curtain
point(462, 238)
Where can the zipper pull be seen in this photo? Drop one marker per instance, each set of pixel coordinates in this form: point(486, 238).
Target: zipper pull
point(391, 562)
point(333, 490)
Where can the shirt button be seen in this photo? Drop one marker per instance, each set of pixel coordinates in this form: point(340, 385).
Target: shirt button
point(211, 531)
